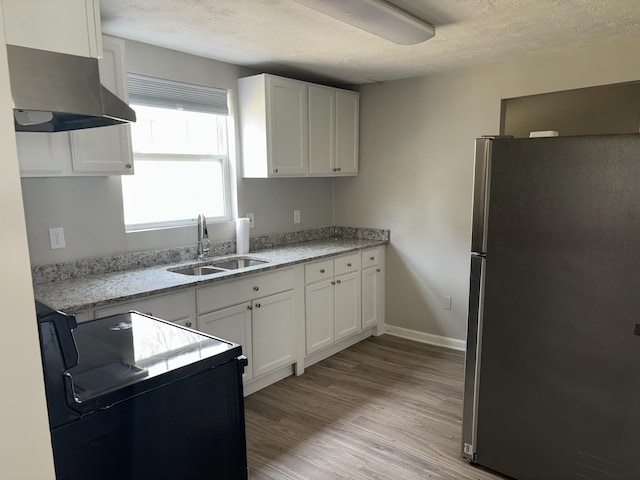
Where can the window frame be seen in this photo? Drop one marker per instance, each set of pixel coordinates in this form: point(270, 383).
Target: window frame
point(226, 193)
point(226, 182)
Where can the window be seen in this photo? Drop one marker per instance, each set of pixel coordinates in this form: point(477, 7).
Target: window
point(181, 155)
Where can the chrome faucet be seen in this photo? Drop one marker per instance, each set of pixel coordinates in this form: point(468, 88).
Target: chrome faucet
point(203, 237)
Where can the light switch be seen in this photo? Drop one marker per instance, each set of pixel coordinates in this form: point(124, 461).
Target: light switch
point(296, 216)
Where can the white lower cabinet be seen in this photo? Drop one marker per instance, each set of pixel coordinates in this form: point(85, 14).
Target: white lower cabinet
point(373, 288)
point(233, 324)
point(319, 315)
point(176, 307)
point(262, 318)
point(273, 332)
point(332, 301)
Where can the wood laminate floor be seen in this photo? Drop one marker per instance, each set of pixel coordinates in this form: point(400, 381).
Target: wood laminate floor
point(386, 408)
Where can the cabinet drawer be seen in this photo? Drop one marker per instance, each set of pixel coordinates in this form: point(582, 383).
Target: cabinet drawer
point(347, 263)
point(173, 307)
point(216, 297)
point(371, 257)
point(318, 271)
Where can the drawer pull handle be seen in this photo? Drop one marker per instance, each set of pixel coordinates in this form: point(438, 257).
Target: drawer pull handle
point(322, 270)
point(256, 289)
point(348, 264)
point(188, 324)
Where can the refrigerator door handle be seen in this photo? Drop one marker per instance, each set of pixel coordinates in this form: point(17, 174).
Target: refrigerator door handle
point(478, 255)
point(472, 356)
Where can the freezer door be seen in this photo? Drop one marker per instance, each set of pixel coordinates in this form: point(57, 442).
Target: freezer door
point(559, 386)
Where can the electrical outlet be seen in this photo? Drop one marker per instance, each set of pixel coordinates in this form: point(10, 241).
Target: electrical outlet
point(56, 237)
point(446, 302)
point(296, 216)
point(250, 216)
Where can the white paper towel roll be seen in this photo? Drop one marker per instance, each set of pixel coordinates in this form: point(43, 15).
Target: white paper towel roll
point(242, 236)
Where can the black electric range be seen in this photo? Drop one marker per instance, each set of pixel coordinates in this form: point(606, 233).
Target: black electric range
point(135, 397)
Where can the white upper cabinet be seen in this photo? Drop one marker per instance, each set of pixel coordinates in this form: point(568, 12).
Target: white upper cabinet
point(291, 128)
point(347, 132)
point(65, 26)
point(106, 150)
point(88, 152)
point(273, 119)
point(333, 131)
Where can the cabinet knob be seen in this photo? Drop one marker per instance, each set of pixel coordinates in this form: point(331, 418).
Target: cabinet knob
point(256, 288)
point(348, 264)
point(339, 169)
point(377, 269)
point(128, 165)
point(257, 305)
point(275, 170)
point(333, 283)
point(188, 324)
point(335, 169)
point(249, 307)
point(338, 281)
point(372, 258)
point(322, 270)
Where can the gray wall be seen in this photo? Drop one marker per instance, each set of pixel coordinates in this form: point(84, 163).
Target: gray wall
point(90, 208)
point(583, 111)
point(416, 158)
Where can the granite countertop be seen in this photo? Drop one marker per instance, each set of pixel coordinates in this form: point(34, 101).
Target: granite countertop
point(75, 295)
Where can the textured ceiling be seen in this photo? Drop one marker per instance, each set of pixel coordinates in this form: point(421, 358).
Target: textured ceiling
point(284, 37)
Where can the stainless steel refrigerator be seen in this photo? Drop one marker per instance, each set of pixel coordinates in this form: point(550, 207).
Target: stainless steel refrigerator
point(552, 368)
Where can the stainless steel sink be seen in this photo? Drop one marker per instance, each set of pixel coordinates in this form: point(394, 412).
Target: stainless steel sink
point(201, 270)
point(236, 263)
point(218, 267)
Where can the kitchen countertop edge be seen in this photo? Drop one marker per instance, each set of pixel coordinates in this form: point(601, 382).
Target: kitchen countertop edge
point(74, 296)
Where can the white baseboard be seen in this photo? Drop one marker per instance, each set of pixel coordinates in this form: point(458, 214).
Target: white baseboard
point(423, 337)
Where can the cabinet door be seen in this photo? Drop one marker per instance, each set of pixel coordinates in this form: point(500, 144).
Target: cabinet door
point(372, 291)
point(233, 324)
point(347, 132)
point(322, 130)
point(177, 307)
point(106, 150)
point(287, 128)
point(347, 305)
point(64, 26)
point(273, 332)
point(319, 301)
point(43, 154)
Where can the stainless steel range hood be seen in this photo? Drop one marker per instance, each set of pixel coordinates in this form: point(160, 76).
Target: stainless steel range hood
point(55, 92)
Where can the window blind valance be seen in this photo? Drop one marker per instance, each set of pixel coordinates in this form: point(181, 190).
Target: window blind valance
point(159, 92)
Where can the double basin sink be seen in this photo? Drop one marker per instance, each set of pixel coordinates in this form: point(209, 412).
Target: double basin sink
point(219, 266)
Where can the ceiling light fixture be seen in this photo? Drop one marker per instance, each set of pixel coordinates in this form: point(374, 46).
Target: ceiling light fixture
point(377, 17)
